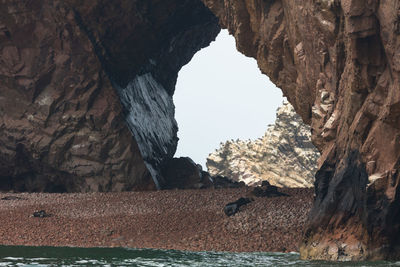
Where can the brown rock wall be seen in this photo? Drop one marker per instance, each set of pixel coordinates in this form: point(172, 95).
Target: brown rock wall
point(70, 72)
point(338, 64)
point(86, 86)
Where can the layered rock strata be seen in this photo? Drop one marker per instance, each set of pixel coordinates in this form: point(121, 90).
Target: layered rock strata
point(338, 63)
point(284, 156)
point(86, 90)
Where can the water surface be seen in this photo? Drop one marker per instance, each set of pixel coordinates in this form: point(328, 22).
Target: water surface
point(50, 256)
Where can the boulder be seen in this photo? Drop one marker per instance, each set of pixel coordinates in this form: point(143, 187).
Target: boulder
point(184, 173)
point(41, 214)
point(266, 190)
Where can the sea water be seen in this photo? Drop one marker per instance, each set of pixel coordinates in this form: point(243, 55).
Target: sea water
point(50, 256)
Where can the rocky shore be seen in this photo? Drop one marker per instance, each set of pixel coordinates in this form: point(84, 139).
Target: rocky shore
point(184, 220)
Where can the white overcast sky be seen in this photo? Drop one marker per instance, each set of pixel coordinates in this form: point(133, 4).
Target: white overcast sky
point(221, 95)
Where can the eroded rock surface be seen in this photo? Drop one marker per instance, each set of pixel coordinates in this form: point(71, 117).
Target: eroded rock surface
point(284, 156)
point(338, 63)
point(79, 78)
point(73, 72)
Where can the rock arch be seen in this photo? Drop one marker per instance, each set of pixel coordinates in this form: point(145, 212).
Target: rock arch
point(66, 64)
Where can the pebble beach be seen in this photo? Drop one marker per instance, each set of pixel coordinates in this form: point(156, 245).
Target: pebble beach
point(174, 219)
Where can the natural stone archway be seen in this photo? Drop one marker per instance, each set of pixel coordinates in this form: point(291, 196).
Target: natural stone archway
point(72, 71)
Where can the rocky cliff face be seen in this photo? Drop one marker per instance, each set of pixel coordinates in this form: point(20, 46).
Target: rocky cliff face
point(79, 78)
point(338, 63)
point(284, 156)
point(73, 72)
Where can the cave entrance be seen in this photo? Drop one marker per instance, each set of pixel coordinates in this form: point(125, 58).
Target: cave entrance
point(222, 95)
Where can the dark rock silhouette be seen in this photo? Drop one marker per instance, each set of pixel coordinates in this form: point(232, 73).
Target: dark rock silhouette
point(11, 198)
point(184, 173)
point(224, 182)
point(266, 190)
point(41, 214)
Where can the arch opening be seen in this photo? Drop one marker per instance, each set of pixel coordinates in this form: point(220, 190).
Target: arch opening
point(235, 123)
point(221, 95)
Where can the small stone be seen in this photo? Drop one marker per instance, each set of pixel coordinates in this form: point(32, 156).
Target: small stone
point(41, 214)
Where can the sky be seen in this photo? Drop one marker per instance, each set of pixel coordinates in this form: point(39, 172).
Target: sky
point(221, 95)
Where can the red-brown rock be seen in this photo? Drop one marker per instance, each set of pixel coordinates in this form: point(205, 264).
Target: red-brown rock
point(338, 63)
point(79, 78)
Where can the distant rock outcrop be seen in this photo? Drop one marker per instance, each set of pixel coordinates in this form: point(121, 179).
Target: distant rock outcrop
point(284, 156)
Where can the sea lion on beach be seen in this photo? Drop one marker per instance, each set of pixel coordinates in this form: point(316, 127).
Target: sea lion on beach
point(233, 207)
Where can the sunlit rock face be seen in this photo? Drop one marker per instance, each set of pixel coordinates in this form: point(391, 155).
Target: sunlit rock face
point(338, 63)
point(86, 87)
point(284, 156)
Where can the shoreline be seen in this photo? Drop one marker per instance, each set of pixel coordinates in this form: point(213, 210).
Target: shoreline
point(190, 220)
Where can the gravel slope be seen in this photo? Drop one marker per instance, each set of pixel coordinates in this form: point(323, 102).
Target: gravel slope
point(184, 219)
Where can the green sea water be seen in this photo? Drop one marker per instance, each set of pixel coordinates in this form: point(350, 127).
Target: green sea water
point(50, 256)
